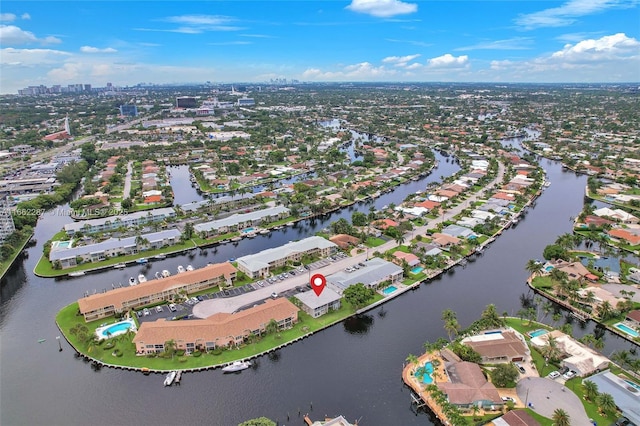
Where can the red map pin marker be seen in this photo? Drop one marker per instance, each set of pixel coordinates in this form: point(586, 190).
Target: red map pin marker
point(318, 283)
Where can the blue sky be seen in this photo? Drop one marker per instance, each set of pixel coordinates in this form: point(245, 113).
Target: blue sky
point(128, 42)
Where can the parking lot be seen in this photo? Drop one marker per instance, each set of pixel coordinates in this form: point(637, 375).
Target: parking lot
point(184, 310)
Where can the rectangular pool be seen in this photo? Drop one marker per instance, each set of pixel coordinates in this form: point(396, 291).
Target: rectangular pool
point(626, 329)
point(536, 333)
point(387, 291)
point(417, 270)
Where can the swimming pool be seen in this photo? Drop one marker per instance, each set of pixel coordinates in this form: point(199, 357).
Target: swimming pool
point(424, 373)
point(626, 329)
point(548, 268)
point(417, 270)
point(536, 333)
point(633, 385)
point(387, 291)
point(116, 329)
point(61, 244)
point(248, 230)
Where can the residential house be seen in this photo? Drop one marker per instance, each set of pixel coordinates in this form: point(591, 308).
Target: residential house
point(625, 393)
point(576, 356)
point(459, 232)
point(344, 241)
point(515, 418)
point(499, 347)
point(411, 259)
point(467, 386)
point(316, 306)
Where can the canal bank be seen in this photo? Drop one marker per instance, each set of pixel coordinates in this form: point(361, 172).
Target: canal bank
point(363, 355)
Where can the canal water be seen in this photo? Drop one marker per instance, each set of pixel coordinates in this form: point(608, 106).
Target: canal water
point(353, 368)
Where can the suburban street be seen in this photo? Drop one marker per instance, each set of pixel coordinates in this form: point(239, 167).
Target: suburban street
point(207, 308)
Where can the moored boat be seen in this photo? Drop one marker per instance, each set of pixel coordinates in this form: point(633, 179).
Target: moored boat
point(142, 278)
point(76, 274)
point(180, 269)
point(141, 261)
point(170, 378)
point(189, 268)
point(165, 273)
point(160, 256)
point(236, 366)
point(132, 281)
point(119, 266)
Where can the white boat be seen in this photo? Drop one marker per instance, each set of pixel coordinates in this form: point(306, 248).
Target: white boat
point(160, 256)
point(180, 269)
point(119, 266)
point(165, 273)
point(142, 278)
point(547, 184)
point(189, 268)
point(236, 366)
point(76, 274)
point(178, 377)
point(170, 378)
point(264, 232)
point(132, 281)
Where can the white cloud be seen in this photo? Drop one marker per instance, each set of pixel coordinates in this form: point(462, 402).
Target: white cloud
point(7, 17)
point(614, 58)
point(25, 16)
point(567, 13)
point(617, 46)
point(400, 61)
point(516, 43)
point(91, 49)
point(32, 57)
point(199, 19)
point(12, 35)
point(382, 8)
point(362, 71)
point(448, 61)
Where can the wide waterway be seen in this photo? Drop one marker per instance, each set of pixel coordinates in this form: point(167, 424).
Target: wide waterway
point(353, 368)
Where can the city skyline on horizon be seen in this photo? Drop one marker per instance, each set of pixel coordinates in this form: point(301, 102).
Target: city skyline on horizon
point(127, 43)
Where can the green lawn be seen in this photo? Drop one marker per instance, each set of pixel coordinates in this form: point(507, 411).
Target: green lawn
point(374, 242)
point(69, 317)
point(4, 266)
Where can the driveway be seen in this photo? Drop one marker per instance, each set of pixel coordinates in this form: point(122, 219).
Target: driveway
point(546, 395)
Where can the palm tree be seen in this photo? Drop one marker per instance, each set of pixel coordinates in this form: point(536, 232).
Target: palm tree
point(400, 239)
point(605, 310)
point(566, 241)
point(561, 418)
point(534, 267)
point(452, 326)
point(606, 403)
point(590, 390)
point(412, 359)
point(271, 327)
point(490, 316)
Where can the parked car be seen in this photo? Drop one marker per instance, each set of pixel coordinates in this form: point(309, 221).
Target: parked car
point(146, 312)
point(520, 368)
point(553, 375)
point(508, 398)
point(159, 309)
point(274, 295)
point(200, 298)
point(569, 375)
point(172, 307)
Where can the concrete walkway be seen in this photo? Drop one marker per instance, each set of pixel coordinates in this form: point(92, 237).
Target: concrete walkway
point(547, 395)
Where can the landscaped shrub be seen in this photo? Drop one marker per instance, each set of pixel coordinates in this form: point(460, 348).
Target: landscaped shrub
point(196, 353)
point(151, 355)
point(109, 345)
point(180, 352)
point(117, 352)
point(216, 351)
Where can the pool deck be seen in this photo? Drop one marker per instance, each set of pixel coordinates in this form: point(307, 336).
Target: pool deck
point(419, 388)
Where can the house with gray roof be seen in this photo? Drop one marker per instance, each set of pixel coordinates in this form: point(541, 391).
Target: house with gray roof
point(317, 306)
point(375, 272)
point(459, 232)
point(261, 264)
point(69, 256)
point(625, 393)
point(240, 220)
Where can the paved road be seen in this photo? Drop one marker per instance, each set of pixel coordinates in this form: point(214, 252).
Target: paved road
point(209, 307)
point(547, 395)
point(126, 192)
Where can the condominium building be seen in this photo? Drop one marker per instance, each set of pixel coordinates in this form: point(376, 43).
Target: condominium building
point(111, 223)
point(375, 272)
point(7, 226)
point(261, 264)
point(69, 256)
point(240, 220)
point(122, 299)
point(219, 330)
